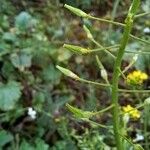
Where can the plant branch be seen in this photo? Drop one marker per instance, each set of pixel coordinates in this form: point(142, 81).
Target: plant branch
point(107, 21)
point(103, 48)
point(116, 73)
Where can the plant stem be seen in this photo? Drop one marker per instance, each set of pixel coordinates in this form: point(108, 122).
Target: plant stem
point(95, 83)
point(116, 4)
point(104, 110)
point(139, 39)
point(109, 85)
point(107, 21)
point(104, 49)
point(141, 15)
point(116, 73)
point(146, 118)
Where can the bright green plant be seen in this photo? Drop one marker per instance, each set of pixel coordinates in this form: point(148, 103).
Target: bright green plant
point(118, 129)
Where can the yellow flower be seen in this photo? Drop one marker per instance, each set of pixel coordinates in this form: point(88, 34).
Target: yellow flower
point(131, 111)
point(136, 77)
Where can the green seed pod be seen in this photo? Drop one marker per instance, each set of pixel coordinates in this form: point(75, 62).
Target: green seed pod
point(147, 101)
point(76, 11)
point(78, 113)
point(76, 49)
point(67, 72)
point(104, 74)
point(89, 35)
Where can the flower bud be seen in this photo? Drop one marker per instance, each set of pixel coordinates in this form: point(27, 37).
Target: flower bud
point(104, 74)
point(76, 11)
point(67, 72)
point(135, 57)
point(76, 49)
point(147, 101)
point(89, 35)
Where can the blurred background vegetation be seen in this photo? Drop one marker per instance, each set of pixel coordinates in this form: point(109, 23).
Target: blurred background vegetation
point(32, 33)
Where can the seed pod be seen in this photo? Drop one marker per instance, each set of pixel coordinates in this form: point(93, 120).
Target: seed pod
point(78, 113)
point(88, 33)
point(76, 11)
point(147, 101)
point(76, 49)
point(67, 72)
point(104, 74)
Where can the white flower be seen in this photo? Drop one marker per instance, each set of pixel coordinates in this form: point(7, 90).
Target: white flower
point(138, 138)
point(146, 30)
point(32, 113)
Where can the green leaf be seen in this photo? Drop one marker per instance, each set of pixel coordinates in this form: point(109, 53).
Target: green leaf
point(9, 95)
point(21, 60)
point(8, 71)
point(9, 37)
point(50, 73)
point(24, 21)
point(41, 145)
point(26, 146)
point(5, 138)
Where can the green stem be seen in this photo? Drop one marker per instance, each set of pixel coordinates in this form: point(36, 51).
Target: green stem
point(141, 15)
point(97, 124)
point(104, 110)
point(115, 80)
point(116, 4)
point(95, 83)
point(107, 48)
point(107, 21)
point(116, 73)
point(109, 85)
point(103, 48)
point(116, 47)
point(138, 52)
point(146, 118)
point(139, 39)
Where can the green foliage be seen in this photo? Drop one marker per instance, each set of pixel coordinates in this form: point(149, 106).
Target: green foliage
point(24, 21)
point(5, 138)
point(38, 145)
point(32, 34)
point(21, 60)
point(9, 95)
point(90, 140)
